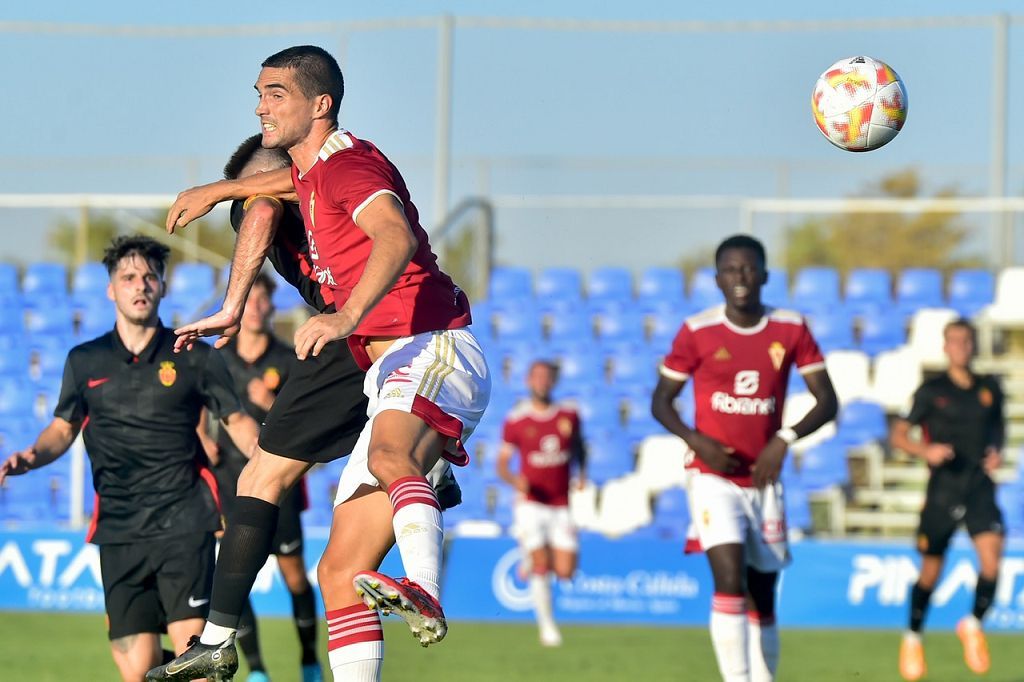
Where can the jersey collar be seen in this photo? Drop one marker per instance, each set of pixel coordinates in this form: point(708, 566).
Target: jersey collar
point(147, 353)
point(747, 331)
point(337, 141)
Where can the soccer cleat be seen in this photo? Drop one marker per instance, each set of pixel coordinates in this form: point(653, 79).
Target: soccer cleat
point(311, 673)
point(912, 665)
point(550, 636)
point(215, 662)
point(258, 676)
point(975, 646)
point(407, 600)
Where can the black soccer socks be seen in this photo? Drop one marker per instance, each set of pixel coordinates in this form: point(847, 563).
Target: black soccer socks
point(304, 612)
point(984, 593)
point(919, 598)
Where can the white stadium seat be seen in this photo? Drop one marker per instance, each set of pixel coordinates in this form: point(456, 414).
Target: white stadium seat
point(661, 462)
point(583, 506)
point(925, 340)
point(850, 371)
point(897, 375)
point(1008, 306)
point(625, 506)
point(797, 406)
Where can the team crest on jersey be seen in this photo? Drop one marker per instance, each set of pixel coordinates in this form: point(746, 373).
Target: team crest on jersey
point(167, 373)
point(722, 354)
point(985, 397)
point(777, 352)
point(565, 426)
point(272, 378)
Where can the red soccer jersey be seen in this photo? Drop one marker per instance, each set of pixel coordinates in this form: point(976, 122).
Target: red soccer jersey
point(348, 174)
point(740, 377)
point(545, 441)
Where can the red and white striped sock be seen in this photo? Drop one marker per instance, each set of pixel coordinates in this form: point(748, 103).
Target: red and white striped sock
point(763, 646)
point(419, 531)
point(729, 636)
point(355, 644)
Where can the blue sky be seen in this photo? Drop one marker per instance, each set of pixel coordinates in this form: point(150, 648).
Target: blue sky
point(636, 113)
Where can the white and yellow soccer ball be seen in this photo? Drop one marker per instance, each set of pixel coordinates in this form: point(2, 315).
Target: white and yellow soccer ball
point(859, 104)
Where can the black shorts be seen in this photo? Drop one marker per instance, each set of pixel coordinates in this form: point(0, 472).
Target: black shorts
point(151, 583)
point(950, 502)
point(288, 536)
point(319, 412)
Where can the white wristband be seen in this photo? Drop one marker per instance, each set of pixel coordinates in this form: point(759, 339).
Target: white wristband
point(787, 435)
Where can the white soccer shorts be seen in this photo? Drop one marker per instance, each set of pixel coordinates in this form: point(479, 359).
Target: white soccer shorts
point(725, 513)
point(442, 378)
point(539, 525)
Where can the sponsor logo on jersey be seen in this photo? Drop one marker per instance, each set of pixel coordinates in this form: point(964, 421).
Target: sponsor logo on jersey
point(727, 404)
point(272, 378)
point(167, 373)
point(722, 354)
point(747, 382)
point(777, 352)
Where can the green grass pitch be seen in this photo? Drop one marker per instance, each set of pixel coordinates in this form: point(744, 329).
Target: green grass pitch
point(62, 647)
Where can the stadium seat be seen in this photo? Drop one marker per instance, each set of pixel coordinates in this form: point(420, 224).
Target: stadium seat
point(833, 329)
point(16, 398)
point(565, 284)
point(671, 514)
point(632, 365)
point(815, 289)
point(663, 325)
point(862, 421)
point(12, 321)
point(919, 288)
point(610, 284)
point(9, 279)
point(796, 408)
point(521, 322)
point(599, 412)
point(14, 361)
point(970, 291)
point(608, 455)
point(573, 325)
point(286, 298)
point(192, 278)
point(89, 282)
point(624, 507)
point(824, 465)
point(47, 353)
point(798, 507)
point(704, 291)
point(45, 282)
point(1010, 500)
point(868, 290)
point(621, 324)
point(661, 461)
point(925, 339)
point(776, 291)
point(662, 284)
point(56, 317)
point(580, 364)
point(583, 505)
point(883, 330)
point(510, 284)
point(95, 319)
point(896, 376)
point(850, 372)
point(1008, 304)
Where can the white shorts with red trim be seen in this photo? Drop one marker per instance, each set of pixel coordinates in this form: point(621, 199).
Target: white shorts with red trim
point(442, 378)
point(543, 525)
point(724, 513)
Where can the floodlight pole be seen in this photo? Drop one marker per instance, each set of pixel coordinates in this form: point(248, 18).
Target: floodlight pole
point(1002, 237)
point(443, 123)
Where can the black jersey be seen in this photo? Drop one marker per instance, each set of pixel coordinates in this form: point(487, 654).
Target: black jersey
point(969, 419)
point(273, 367)
point(289, 254)
point(139, 416)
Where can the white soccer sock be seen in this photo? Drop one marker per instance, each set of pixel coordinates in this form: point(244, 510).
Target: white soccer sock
point(729, 636)
point(419, 531)
point(763, 647)
point(540, 590)
point(215, 634)
point(355, 644)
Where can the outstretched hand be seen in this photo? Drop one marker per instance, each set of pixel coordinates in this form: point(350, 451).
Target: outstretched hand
point(17, 464)
point(220, 323)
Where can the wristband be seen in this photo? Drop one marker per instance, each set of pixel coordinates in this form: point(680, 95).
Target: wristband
point(787, 435)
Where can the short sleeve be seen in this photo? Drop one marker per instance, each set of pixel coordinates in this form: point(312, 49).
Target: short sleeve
point(807, 355)
point(508, 432)
point(920, 407)
point(217, 387)
point(70, 405)
point(682, 359)
point(358, 179)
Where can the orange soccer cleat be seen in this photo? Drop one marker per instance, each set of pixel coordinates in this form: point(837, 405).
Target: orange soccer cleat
point(912, 665)
point(975, 646)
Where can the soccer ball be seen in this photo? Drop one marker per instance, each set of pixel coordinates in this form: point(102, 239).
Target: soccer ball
point(859, 104)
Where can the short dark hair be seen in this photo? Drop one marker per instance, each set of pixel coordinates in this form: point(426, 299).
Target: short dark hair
point(267, 282)
point(742, 241)
point(960, 323)
point(250, 149)
point(543, 362)
point(121, 247)
point(316, 72)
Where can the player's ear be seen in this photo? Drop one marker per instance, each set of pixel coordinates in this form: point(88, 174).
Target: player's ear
point(323, 105)
point(110, 290)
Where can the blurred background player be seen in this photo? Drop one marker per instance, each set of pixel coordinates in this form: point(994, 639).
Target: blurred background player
point(739, 356)
point(961, 418)
point(155, 516)
point(549, 441)
point(259, 364)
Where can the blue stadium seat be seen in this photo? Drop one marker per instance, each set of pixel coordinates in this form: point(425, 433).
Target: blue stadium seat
point(45, 281)
point(1010, 500)
point(704, 291)
point(832, 329)
point(798, 507)
point(16, 398)
point(599, 411)
point(581, 364)
point(609, 455)
point(95, 319)
point(815, 289)
point(510, 283)
point(192, 278)
point(868, 289)
point(574, 325)
point(862, 421)
point(632, 364)
point(520, 322)
point(14, 361)
point(919, 288)
point(89, 280)
point(671, 514)
point(517, 358)
point(9, 279)
point(776, 291)
point(12, 321)
point(663, 325)
point(610, 284)
point(559, 284)
point(971, 290)
point(883, 330)
point(621, 325)
point(55, 317)
point(662, 284)
point(824, 465)
point(47, 353)
point(285, 298)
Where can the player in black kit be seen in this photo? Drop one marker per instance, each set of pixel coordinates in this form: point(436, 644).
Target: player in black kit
point(961, 418)
point(137, 404)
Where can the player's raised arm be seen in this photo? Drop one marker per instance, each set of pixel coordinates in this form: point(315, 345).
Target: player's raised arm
point(198, 201)
point(53, 442)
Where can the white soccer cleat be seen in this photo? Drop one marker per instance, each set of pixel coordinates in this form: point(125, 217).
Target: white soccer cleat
point(550, 636)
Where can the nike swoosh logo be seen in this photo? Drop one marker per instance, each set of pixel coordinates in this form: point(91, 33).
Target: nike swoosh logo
point(93, 383)
point(193, 602)
point(289, 547)
point(172, 670)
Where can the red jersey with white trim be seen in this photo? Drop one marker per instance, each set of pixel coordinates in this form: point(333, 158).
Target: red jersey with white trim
point(545, 440)
point(740, 377)
point(348, 174)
